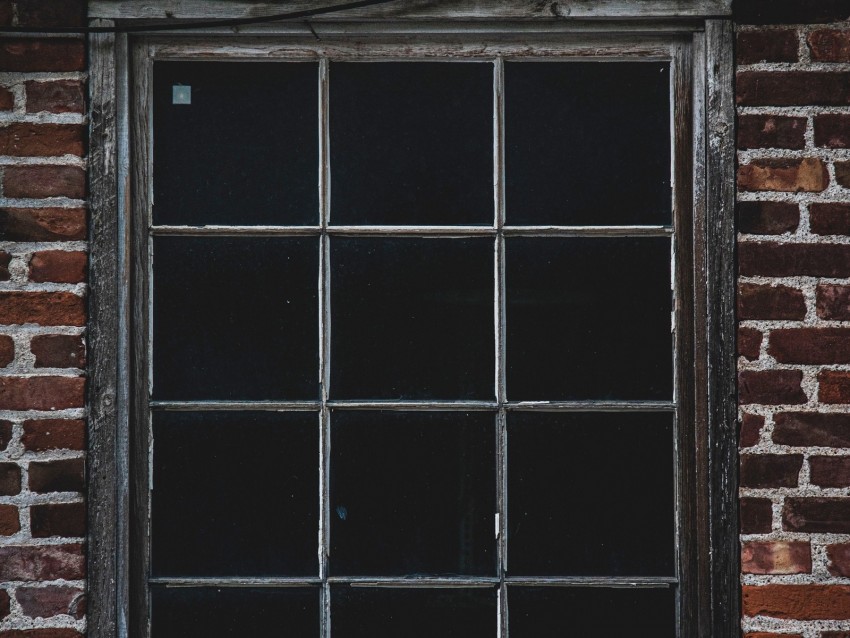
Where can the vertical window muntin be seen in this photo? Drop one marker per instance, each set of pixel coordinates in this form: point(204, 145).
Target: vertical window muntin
point(501, 407)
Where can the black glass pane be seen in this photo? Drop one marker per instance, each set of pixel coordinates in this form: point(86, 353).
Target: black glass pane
point(411, 143)
point(235, 318)
point(413, 613)
point(587, 143)
point(535, 612)
point(590, 494)
point(413, 493)
point(589, 318)
point(412, 318)
point(243, 151)
point(235, 494)
point(191, 612)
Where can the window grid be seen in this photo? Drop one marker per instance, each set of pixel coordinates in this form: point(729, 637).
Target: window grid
point(500, 407)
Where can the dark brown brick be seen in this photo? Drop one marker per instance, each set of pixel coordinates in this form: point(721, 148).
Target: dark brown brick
point(811, 429)
point(768, 218)
point(817, 515)
point(44, 181)
point(41, 393)
point(53, 600)
point(10, 522)
point(56, 96)
point(810, 345)
point(5, 606)
point(829, 218)
point(58, 351)
point(65, 475)
point(834, 386)
point(7, 13)
point(46, 562)
point(801, 602)
point(770, 470)
point(776, 557)
point(769, 259)
point(5, 260)
point(41, 633)
point(43, 308)
point(58, 519)
point(833, 302)
point(750, 429)
point(49, 13)
point(10, 479)
point(829, 45)
point(842, 174)
point(7, 350)
point(24, 139)
point(832, 130)
point(749, 343)
point(756, 301)
point(59, 266)
point(839, 559)
point(771, 387)
point(830, 471)
point(756, 515)
point(835, 634)
point(784, 175)
point(42, 224)
point(5, 433)
point(793, 88)
point(53, 54)
point(7, 100)
point(771, 131)
point(769, 45)
point(790, 11)
point(54, 434)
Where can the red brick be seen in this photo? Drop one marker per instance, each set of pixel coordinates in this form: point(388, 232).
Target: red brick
point(58, 519)
point(835, 634)
point(832, 130)
point(834, 386)
point(768, 218)
point(810, 345)
point(54, 434)
point(839, 559)
point(784, 175)
point(769, 259)
point(756, 301)
point(42, 224)
point(7, 100)
point(830, 218)
point(10, 479)
point(772, 45)
point(58, 351)
point(59, 266)
point(776, 557)
point(65, 475)
point(53, 600)
point(770, 470)
point(830, 471)
point(41, 633)
point(9, 522)
point(46, 562)
point(833, 302)
point(7, 350)
point(5, 433)
point(49, 13)
point(41, 140)
point(41, 393)
point(826, 515)
point(842, 174)
point(5, 604)
point(771, 131)
point(793, 88)
point(771, 387)
point(750, 429)
point(57, 96)
point(829, 45)
point(756, 515)
point(749, 343)
point(53, 54)
point(800, 602)
point(43, 308)
point(5, 260)
point(44, 181)
point(812, 429)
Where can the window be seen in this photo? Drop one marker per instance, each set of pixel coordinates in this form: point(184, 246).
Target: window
point(417, 339)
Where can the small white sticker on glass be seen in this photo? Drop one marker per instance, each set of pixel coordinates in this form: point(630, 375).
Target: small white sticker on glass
point(181, 94)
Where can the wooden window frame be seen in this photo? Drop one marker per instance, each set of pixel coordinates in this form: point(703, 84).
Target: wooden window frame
point(700, 50)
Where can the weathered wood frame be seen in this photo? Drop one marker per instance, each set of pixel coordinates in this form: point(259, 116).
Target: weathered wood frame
point(709, 539)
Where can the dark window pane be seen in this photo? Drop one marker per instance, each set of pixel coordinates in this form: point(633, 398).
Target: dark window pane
point(245, 151)
point(590, 494)
point(411, 143)
point(235, 318)
point(412, 318)
point(414, 613)
point(587, 143)
point(412, 493)
point(235, 494)
point(241, 613)
point(535, 612)
point(589, 318)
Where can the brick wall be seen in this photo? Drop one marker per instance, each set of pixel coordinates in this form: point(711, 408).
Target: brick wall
point(794, 309)
point(42, 323)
